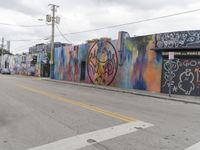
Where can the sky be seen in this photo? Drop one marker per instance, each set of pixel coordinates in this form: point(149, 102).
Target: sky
point(81, 15)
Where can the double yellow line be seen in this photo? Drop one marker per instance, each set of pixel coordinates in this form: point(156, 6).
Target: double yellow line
point(77, 103)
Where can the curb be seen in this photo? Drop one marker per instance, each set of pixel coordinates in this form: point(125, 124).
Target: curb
point(153, 95)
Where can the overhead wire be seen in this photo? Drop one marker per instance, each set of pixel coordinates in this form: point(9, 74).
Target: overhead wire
point(26, 46)
point(63, 34)
point(134, 22)
point(124, 24)
point(25, 26)
point(107, 27)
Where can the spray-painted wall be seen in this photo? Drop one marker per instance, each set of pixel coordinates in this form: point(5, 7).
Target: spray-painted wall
point(126, 62)
point(185, 72)
point(185, 76)
point(67, 62)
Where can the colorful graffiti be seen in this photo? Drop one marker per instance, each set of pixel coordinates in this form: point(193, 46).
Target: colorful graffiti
point(126, 62)
point(102, 63)
point(68, 61)
point(142, 66)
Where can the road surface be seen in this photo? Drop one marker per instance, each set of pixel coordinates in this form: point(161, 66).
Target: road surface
point(41, 115)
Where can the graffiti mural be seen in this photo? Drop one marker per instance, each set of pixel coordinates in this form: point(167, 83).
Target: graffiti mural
point(186, 81)
point(59, 63)
point(185, 76)
point(126, 63)
point(168, 72)
point(178, 39)
point(141, 68)
point(72, 63)
point(130, 62)
point(67, 62)
point(102, 62)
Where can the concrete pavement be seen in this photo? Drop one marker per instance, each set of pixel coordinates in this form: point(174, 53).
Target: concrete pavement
point(160, 96)
point(35, 112)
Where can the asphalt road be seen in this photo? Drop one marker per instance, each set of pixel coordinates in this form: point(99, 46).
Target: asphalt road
point(35, 113)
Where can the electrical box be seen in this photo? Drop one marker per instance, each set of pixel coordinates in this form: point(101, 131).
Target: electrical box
point(57, 19)
point(48, 18)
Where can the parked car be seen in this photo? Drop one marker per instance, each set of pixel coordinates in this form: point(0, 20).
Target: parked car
point(31, 71)
point(5, 71)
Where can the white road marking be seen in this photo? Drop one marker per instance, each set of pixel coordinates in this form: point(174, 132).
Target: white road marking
point(83, 140)
point(194, 147)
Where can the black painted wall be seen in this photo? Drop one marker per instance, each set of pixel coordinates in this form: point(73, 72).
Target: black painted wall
point(185, 76)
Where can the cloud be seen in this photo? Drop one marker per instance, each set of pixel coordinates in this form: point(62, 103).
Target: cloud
point(21, 6)
point(78, 15)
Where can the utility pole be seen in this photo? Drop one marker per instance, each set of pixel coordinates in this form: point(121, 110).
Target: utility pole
point(52, 20)
point(2, 51)
point(8, 46)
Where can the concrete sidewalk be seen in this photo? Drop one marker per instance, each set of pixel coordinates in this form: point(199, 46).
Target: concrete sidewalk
point(179, 98)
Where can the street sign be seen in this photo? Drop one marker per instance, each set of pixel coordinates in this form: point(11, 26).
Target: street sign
point(171, 55)
point(51, 62)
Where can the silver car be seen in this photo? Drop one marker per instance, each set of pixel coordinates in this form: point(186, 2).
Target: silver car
point(5, 71)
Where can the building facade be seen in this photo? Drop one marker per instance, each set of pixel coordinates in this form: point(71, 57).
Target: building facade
point(134, 62)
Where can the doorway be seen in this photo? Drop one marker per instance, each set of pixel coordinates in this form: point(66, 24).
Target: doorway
point(83, 68)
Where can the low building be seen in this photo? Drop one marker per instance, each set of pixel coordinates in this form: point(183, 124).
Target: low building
point(137, 62)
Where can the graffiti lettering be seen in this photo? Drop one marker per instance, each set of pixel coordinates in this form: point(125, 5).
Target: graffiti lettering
point(186, 79)
point(175, 67)
point(197, 70)
point(178, 39)
point(191, 63)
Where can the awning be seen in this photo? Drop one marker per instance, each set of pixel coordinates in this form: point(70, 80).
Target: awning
point(180, 49)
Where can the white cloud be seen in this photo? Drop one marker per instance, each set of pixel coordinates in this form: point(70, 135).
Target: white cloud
point(81, 15)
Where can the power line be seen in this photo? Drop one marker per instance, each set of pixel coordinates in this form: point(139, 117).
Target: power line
point(115, 26)
point(62, 34)
point(134, 22)
point(25, 26)
point(26, 46)
point(26, 40)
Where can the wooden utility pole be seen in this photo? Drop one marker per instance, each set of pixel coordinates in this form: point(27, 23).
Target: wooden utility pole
point(53, 19)
point(2, 51)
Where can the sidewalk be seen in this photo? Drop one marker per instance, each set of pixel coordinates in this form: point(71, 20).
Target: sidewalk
point(179, 98)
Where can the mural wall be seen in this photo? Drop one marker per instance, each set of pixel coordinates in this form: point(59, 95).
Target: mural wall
point(141, 67)
point(185, 69)
point(68, 61)
point(185, 76)
point(102, 62)
point(126, 62)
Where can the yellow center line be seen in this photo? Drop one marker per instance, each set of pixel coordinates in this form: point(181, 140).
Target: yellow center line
point(80, 104)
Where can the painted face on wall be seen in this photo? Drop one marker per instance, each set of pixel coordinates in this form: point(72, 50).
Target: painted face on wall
point(102, 63)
